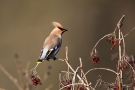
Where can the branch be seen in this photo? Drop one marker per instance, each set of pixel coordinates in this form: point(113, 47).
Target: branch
point(19, 70)
point(99, 41)
point(14, 80)
point(120, 23)
point(107, 69)
point(49, 87)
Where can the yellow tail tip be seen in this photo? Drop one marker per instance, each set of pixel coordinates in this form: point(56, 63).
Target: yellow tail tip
point(38, 62)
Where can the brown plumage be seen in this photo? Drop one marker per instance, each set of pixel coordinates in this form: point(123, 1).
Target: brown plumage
point(52, 43)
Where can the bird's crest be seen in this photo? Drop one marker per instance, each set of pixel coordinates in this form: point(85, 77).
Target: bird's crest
point(56, 24)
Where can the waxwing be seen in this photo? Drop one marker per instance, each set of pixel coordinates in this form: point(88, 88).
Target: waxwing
point(52, 43)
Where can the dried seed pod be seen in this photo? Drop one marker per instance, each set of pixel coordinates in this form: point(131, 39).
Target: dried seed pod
point(94, 57)
point(113, 40)
point(114, 86)
point(35, 80)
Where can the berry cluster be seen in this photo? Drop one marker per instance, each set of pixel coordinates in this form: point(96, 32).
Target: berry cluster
point(113, 40)
point(94, 57)
point(35, 80)
point(67, 83)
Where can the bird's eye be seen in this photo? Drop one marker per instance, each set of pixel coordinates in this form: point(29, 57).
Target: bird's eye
point(61, 28)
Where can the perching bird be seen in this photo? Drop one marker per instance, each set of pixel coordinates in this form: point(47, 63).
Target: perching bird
point(52, 43)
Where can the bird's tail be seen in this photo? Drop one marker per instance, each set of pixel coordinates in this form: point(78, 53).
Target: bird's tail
point(42, 55)
point(39, 61)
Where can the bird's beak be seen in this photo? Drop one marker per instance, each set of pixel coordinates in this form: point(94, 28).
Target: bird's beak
point(65, 30)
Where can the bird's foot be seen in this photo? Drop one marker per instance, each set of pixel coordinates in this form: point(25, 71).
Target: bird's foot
point(47, 58)
point(55, 58)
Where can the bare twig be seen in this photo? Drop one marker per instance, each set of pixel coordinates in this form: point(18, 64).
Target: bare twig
point(14, 80)
point(72, 68)
point(19, 70)
point(82, 72)
point(107, 69)
point(2, 89)
point(99, 41)
point(75, 73)
point(128, 33)
point(72, 85)
point(98, 81)
point(80, 63)
point(27, 72)
point(66, 53)
point(123, 44)
point(120, 23)
point(49, 87)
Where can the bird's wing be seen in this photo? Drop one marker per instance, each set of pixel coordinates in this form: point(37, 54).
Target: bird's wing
point(50, 48)
point(55, 47)
point(43, 53)
point(52, 52)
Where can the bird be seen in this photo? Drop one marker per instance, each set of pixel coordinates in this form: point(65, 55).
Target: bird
point(52, 43)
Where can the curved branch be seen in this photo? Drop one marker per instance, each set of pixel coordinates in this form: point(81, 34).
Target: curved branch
point(100, 69)
point(129, 65)
point(72, 85)
point(99, 41)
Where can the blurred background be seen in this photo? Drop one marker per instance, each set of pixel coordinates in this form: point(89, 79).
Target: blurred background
point(24, 25)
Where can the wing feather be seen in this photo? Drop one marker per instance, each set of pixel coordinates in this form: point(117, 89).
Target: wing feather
point(50, 48)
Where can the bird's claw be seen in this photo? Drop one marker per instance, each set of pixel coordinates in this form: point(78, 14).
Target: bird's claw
point(55, 58)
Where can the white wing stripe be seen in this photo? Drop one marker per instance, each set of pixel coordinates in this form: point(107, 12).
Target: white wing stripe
point(43, 55)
